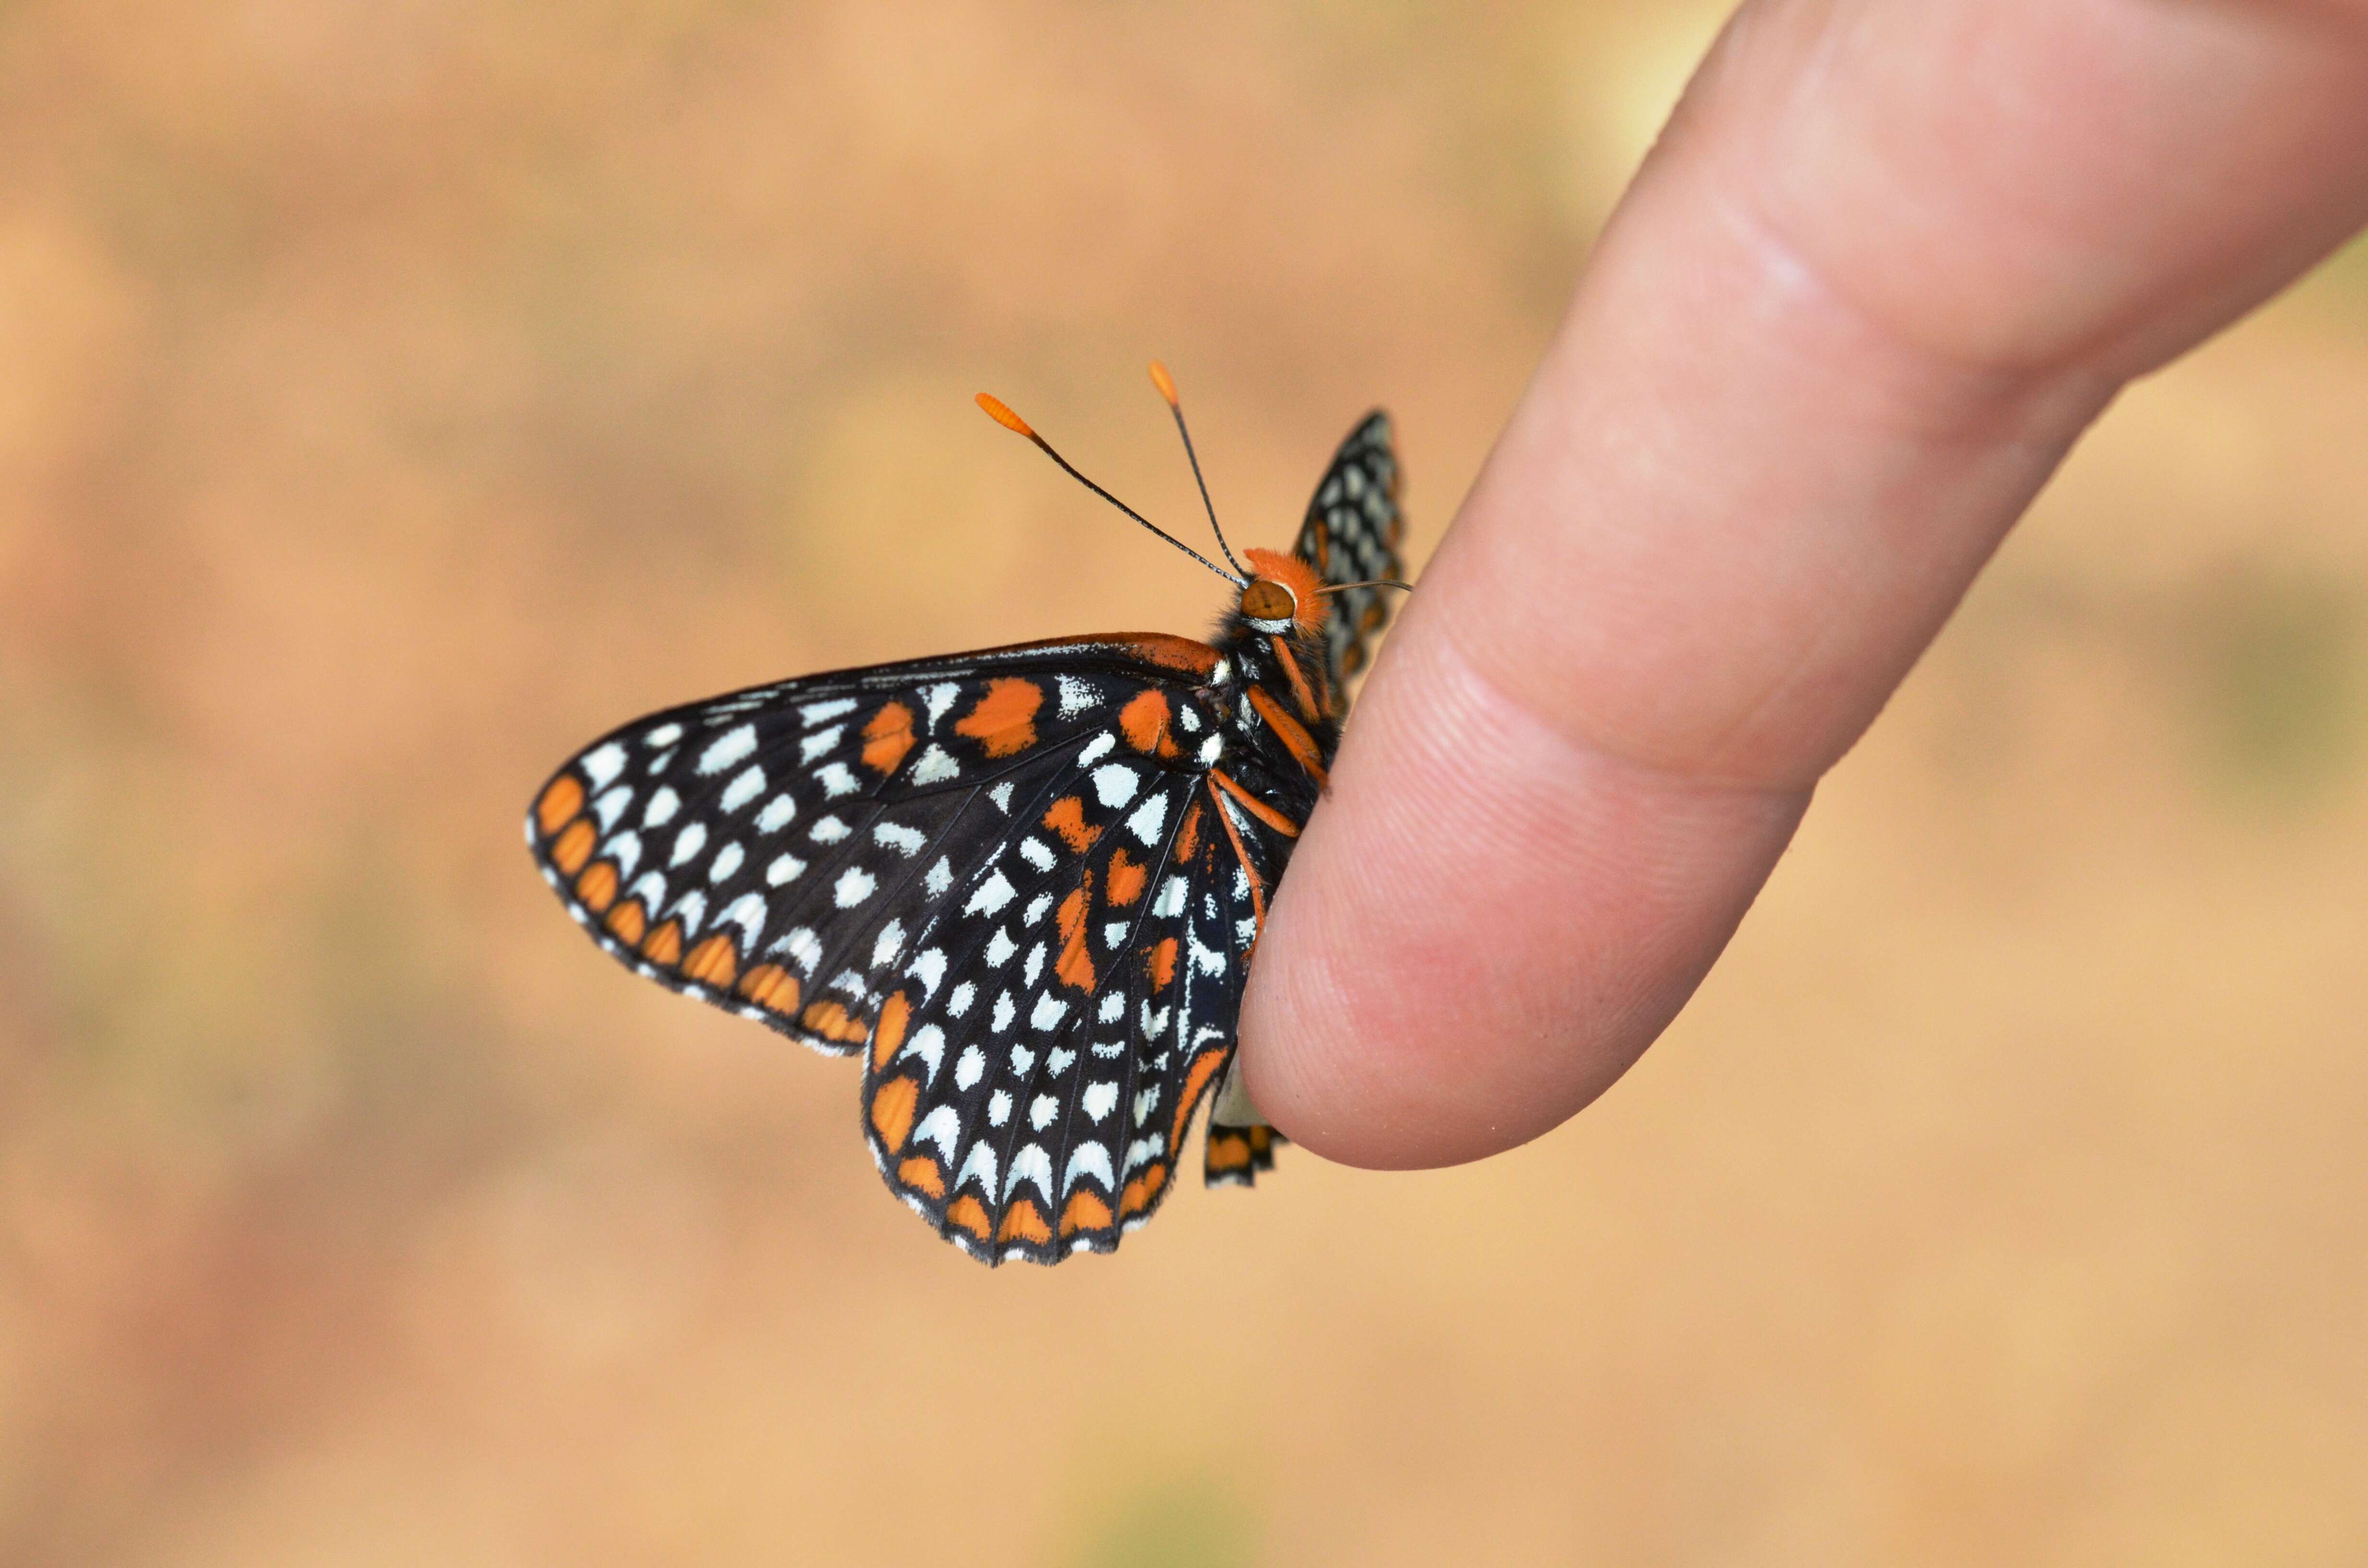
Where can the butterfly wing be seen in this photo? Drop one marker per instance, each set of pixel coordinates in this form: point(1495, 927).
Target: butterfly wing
point(1352, 535)
point(997, 871)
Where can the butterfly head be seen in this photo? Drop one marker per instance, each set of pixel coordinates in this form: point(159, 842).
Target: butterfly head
point(1282, 595)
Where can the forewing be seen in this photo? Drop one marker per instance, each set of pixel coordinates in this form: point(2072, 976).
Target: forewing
point(773, 850)
point(1352, 535)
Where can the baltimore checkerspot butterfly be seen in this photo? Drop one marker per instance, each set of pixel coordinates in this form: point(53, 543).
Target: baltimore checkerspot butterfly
point(1025, 883)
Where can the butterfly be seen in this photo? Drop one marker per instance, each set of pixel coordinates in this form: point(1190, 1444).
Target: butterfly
point(1024, 884)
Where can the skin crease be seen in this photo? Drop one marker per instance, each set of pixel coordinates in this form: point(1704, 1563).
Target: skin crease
point(1888, 261)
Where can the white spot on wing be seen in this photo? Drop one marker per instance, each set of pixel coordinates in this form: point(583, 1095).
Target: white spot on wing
point(1090, 1159)
point(748, 912)
point(836, 781)
point(819, 744)
point(905, 841)
point(1001, 796)
point(929, 1043)
point(1076, 696)
point(784, 869)
point(1113, 1005)
point(801, 945)
point(998, 1108)
point(814, 713)
point(603, 764)
point(1041, 1110)
point(970, 1068)
point(611, 806)
point(1148, 818)
point(660, 809)
point(1004, 1012)
point(829, 830)
point(929, 968)
point(1115, 784)
point(939, 699)
point(1037, 853)
point(746, 787)
point(731, 747)
point(1022, 1059)
point(1095, 749)
point(626, 850)
point(941, 1127)
point(1098, 1100)
point(663, 735)
point(991, 896)
point(855, 885)
point(776, 815)
point(1000, 947)
point(1049, 1011)
point(1031, 1165)
point(980, 1164)
point(959, 1003)
point(727, 861)
point(935, 766)
point(688, 843)
point(940, 878)
point(888, 944)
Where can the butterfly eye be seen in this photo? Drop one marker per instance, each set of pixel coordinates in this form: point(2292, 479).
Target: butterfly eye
point(1266, 600)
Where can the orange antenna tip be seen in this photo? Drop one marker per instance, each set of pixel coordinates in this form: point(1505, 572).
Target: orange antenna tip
point(1003, 415)
point(1166, 385)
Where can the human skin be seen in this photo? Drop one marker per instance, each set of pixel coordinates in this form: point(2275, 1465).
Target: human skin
point(1888, 261)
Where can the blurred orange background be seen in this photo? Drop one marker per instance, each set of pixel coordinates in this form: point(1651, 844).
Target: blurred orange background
point(394, 396)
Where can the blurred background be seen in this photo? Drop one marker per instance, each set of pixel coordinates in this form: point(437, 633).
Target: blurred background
point(394, 396)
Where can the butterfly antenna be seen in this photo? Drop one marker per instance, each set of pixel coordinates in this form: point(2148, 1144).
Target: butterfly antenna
point(1003, 415)
point(1375, 583)
point(1166, 385)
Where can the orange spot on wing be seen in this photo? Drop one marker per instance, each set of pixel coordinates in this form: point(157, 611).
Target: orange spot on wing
point(888, 1034)
point(1144, 720)
point(574, 846)
point(921, 1173)
point(1141, 1191)
point(1004, 722)
point(1163, 963)
point(1188, 837)
point(770, 985)
point(562, 798)
point(887, 737)
point(1022, 1222)
point(598, 886)
point(1171, 653)
point(1196, 1080)
point(1067, 818)
point(966, 1213)
point(833, 1022)
point(891, 1112)
point(1084, 1213)
point(627, 922)
point(1126, 880)
point(1076, 964)
point(714, 962)
point(1231, 1153)
point(664, 944)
